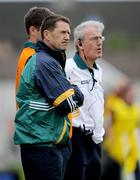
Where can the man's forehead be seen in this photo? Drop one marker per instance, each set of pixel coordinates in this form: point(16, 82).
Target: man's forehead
point(92, 30)
point(60, 23)
point(62, 26)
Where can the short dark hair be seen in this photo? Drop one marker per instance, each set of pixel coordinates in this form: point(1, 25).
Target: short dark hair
point(49, 23)
point(35, 16)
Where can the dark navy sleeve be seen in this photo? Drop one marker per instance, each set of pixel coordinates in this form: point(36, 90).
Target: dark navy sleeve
point(51, 81)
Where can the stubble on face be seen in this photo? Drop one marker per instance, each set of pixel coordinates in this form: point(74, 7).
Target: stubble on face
point(60, 36)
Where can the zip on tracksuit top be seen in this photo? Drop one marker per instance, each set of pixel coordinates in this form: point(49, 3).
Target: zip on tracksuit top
point(45, 97)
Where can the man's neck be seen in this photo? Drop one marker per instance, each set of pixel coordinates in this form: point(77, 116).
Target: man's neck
point(88, 62)
point(33, 40)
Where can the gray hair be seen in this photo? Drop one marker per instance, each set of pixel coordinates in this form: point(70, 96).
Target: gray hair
point(80, 29)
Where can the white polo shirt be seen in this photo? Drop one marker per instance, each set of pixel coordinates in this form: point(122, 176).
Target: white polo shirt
point(91, 113)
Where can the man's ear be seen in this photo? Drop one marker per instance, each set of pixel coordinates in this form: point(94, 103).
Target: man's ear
point(46, 34)
point(32, 30)
point(80, 43)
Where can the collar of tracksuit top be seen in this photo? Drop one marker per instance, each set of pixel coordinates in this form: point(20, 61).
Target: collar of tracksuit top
point(60, 56)
point(80, 63)
point(29, 44)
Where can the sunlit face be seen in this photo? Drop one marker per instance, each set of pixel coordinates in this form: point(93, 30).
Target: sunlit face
point(58, 39)
point(92, 43)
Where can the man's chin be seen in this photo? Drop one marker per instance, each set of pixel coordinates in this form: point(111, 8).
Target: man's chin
point(63, 48)
point(100, 55)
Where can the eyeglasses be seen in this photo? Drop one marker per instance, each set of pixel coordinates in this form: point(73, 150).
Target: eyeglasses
point(96, 38)
point(93, 79)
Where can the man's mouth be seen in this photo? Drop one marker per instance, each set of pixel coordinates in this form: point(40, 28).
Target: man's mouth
point(99, 49)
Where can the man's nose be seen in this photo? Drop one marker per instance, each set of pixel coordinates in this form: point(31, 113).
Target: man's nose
point(67, 36)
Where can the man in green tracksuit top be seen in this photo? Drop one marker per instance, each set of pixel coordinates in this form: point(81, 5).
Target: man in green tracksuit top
point(45, 98)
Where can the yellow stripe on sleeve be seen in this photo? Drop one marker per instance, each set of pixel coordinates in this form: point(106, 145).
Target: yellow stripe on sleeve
point(63, 97)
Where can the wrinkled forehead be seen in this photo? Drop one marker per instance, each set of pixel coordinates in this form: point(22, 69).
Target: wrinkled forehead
point(92, 31)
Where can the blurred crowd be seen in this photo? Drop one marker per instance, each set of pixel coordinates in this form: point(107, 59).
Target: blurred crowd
point(122, 122)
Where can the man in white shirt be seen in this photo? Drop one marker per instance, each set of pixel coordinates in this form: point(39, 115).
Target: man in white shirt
point(88, 131)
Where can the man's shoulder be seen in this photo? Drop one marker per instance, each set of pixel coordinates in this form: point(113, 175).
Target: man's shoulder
point(98, 69)
point(44, 57)
point(98, 72)
point(97, 66)
point(25, 56)
point(46, 61)
point(70, 59)
point(70, 62)
point(27, 52)
point(31, 62)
